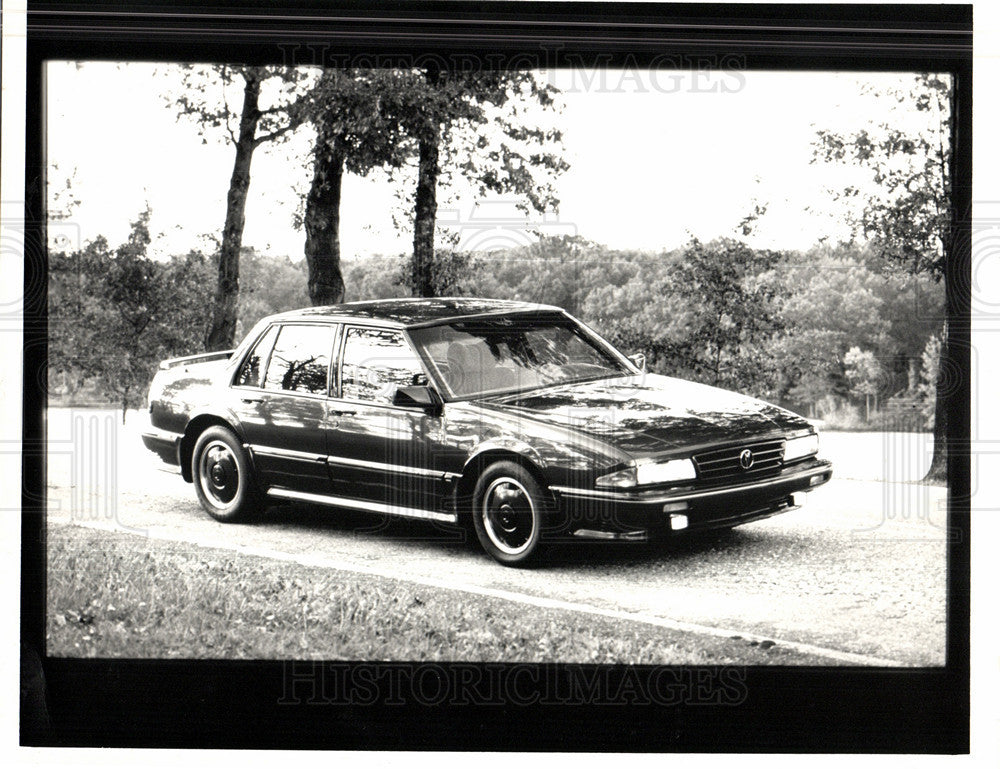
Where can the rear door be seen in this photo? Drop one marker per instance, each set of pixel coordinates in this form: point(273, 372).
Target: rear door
point(283, 404)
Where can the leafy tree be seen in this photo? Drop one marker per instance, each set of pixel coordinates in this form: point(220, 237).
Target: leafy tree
point(374, 277)
point(358, 117)
point(381, 277)
point(475, 124)
point(710, 313)
point(912, 307)
point(181, 323)
point(863, 373)
point(203, 99)
point(564, 270)
point(74, 281)
point(384, 118)
point(116, 313)
point(905, 212)
point(730, 294)
point(450, 273)
point(838, 296)
point(814, 308)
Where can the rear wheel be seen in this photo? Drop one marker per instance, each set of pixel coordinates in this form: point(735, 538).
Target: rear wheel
point(507, 507)
point(223, 478)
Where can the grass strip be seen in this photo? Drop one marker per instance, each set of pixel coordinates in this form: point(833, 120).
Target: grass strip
point(114, 594)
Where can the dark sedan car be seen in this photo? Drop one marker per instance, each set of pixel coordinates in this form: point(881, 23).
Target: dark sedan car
point(513, 417)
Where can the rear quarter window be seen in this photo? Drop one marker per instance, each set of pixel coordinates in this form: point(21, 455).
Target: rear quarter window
point(252, 369)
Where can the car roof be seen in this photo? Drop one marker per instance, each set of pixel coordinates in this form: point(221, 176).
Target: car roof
point(409, 313)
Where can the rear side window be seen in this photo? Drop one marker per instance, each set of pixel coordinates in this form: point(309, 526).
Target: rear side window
point(301, 359)
point(253, 365)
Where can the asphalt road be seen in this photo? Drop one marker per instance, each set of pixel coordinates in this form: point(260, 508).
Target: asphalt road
point(860, 569)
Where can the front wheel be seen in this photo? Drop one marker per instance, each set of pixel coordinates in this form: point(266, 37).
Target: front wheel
point(507, 513)
point(222, 477)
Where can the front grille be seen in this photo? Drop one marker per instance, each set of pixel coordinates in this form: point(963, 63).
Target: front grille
point(724, 464)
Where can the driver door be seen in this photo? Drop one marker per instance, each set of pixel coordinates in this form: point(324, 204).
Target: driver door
point(379, 452)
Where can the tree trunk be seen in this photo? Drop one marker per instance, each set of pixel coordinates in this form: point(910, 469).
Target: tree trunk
point(322, 222)
point(222, 332)
point(425, 214)
point(938, 471)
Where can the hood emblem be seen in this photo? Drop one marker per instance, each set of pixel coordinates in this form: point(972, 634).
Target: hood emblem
point(746, 459)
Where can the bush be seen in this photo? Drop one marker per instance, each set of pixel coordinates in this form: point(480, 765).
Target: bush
point(843, 416)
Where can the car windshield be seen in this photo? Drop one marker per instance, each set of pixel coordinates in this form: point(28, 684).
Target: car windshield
point(511, 353)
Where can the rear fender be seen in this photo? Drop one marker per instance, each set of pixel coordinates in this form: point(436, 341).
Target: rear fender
point(196, 426)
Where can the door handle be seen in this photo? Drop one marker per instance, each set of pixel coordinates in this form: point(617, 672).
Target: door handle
point(252, 400)
point(344, 412)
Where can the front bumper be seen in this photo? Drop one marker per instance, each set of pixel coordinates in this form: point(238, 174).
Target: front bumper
point(687, 508)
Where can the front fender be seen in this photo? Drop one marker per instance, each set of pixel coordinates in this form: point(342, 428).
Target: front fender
point(562, 455)
point(507, 444)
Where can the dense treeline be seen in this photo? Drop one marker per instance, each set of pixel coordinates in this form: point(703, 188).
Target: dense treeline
point(778, 325)
point(824, 331)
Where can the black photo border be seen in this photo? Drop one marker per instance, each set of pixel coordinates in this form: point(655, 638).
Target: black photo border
point(229, 704)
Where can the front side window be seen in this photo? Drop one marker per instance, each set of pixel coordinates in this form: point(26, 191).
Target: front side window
point(508, 354)
point(253, 365)
point(301, 359)
point(376, 362)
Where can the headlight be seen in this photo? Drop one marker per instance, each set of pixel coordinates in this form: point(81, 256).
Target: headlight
point(664, 472)
point(648, 473)
point(796, 448)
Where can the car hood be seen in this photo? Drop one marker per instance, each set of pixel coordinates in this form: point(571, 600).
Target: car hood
point(651, 414)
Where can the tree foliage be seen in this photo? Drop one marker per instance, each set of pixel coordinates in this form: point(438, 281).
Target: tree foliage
point(781, 327)
point(863, 371)
point(560, 270)
point(115, 313)
point(270, 284)
point(832, 303)
point(864, 375)
point(358, 115)
point(710, 312)
point(905, 211)
point(480, 126)
point(930, 361)
point(441, 125)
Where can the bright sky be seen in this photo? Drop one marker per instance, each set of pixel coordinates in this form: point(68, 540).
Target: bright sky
point(654, 159)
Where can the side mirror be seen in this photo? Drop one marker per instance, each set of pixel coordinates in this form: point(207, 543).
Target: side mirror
point(419, 397)
point(638, 360)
